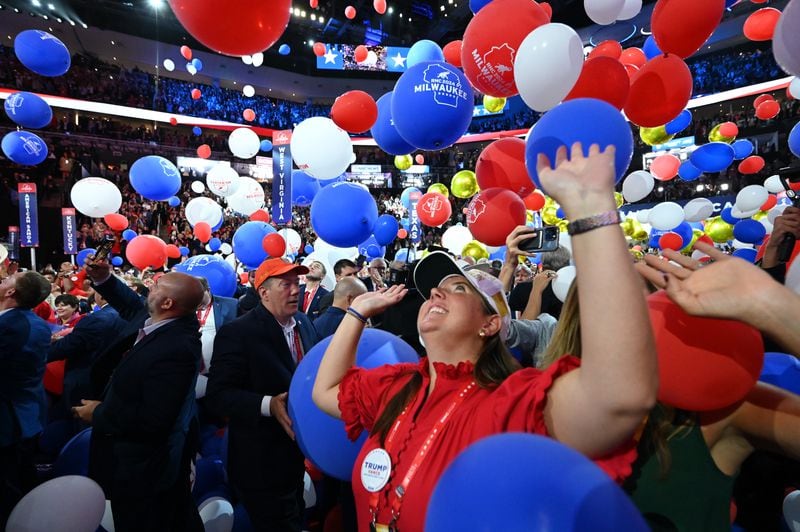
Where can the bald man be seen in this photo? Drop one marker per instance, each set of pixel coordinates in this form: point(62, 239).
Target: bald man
point(347, 289)
point(139, 427)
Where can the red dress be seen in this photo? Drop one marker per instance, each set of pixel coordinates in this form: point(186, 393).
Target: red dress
point(517, 405)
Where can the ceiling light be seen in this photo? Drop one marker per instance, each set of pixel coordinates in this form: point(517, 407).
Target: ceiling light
point(661, 189)
point(699, 188)
point(391, 10)
point(84, 25)
point(72, 22)
point(51, 7)
point(36, 3)
point(321, 19)
point(45, 17)
point(303, 14)
point(723, 186)
point(313, 16)
point(311, 42)
point(112, 43)
point(59, 20)
point(297, 11)
point(441, 8)
point(156, 4)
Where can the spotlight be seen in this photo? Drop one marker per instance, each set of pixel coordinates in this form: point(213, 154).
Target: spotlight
point(51, 7)
point(84, 25)
point(36, 3)
point(156, 4)
point(391, 10)
point(321, 19)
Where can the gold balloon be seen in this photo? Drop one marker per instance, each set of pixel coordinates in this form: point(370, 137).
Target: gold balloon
point(696, 234)
point(476, 250)
point(403, 162)
point(719, 230)
point(627, 226)
point(529, 217)
point(634, 229)
point(464, 184)
point(637, 254)
point(654, 135)
point(440, 188)
point(563, 225)
point(716, 136)
point(619, 199)
point(760, 215)
point(549, 216)
point(493, 104)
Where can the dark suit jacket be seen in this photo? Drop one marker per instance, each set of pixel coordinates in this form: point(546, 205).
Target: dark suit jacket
point(225, 310)
point(139, 430)
point(24, 340)
point(313, 309)
point(252, 359)
point(90, 337)
point(329, 321)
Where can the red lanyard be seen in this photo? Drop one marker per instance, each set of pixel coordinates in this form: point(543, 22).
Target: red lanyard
point(202, 319)
point(401, 489)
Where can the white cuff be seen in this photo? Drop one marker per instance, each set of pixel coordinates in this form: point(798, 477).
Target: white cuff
point(265, 402)
point(200, 386)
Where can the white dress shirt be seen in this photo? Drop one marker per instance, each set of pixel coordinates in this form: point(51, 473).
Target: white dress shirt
point(288, 333)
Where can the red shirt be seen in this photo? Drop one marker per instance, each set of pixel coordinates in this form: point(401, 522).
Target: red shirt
point(517, 405)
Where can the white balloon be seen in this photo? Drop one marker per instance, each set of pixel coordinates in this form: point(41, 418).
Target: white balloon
point(216, 514)
point(222, 180)
point(773, 184)
point(554, 49)
point(794, 88)
point(169, 64)
point(793, 276)
point(776, 211)
point(320, 148)
point(563, 281)
point(258, 59)
point(698, 209)
point(249, 197)
point(791, 510)
point(95, 197)
point(203, 210)
point(630, 9)
point(190, 68)
point(767, 225)
point(244, 143)
point(293, 241)
point(247, 59)
point(455, 238)
point(107, 523)
point(372, 59)
point(637, 186)
point(604, 11)
point(697, 255)
point(666, 216)
point(70, 502)
point(736, 212)
point(751, 197)
point(309, 492)
point(737, 244)
point(643, 216)
point(198, 187)
point(248, 91)
point(225, 249)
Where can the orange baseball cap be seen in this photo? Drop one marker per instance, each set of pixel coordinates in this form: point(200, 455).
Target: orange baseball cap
point(274, 267)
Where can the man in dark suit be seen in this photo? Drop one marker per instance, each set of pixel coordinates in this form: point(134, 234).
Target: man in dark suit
point(343, 268)
point(24, 339)
point(312, 292)
point(347, 289)
point(254, 359)
point(140, 426)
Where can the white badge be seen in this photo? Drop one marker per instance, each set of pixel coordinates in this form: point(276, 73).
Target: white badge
point(375, 470)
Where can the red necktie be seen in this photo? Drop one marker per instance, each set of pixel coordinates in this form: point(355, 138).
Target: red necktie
point(307, 301)
point(298, 345)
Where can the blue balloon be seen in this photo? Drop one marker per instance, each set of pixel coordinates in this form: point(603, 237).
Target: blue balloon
point(749, 231)
point(405, 223)
point(174, 201)
point(80, 258)
point(343, 214)
point(405, 255)
point(742, 149)
point(384, 132)
point(214, 244)
point(197, 131)
point(650, 48)
point(28, 110)
point(747, 254)
point(679, 123)
point(220, 275)
point(304, 188)
point(688, 171)
point(424, 51)
point(266, 145)
point(500, 254)
point(794, 140)
point(655, 236)
point(432, 105)
point(42, 53)
point(309, 249)
point(385, 229)
point(560, 213)
point(74, 457)
point(128, 234)
point(209, 475)
point(321, 437)
point(155, 178)
point(24, 147)
point(528, 482)
point(325, 182)
point(117, 261)
point(247, 243)
point(684, 230)
point(284, 49)
point(566, 123)
point(712, 157)
point(727, 216)
point(371, 249)
point(405, 196)
point(729, 4)
point(197, 64)
point(477, 5)
point(184, 251)
point(781, 370)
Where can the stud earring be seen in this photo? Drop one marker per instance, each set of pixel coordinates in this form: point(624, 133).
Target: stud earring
point(481, 333)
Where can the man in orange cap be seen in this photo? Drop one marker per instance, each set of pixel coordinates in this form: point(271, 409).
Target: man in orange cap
point(251, 369)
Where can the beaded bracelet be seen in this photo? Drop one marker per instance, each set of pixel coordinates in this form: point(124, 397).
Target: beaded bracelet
point(357, 315)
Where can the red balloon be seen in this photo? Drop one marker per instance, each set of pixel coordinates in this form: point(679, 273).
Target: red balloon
point(249, 115)
point(313, 3)
point(681, 27)
point(659, 91)
point(379, 6)
point(772, 200)
point(350, 12)
point(611, 49)
point(492, 215)
point(761, 99)
point(760, 26)
point(665, 167)
point(402, 233)
point(419, 159)
point(633, 56)
point(768, 109)
point(361, 53)
point(502, 165)
point(433, 209)
point(548, 9)
point(116, 222)
point(196, 94)
point(670, 241)
point(245, 28)
point(244, 277)
point(752, 165)
point(489, 47)
point(274, 245)
point(703, 363)
point(705, 239)
point(728, 129)
point(146, 250)
point(452, 53)
point(602, 78)
point(204, 151)
point(631, 70)
point(186, 52)
point(319, 49)
point(173, 252)
point(173, 121)
point(535, 201)
point(260, 216)
point(202, 232)
point(354, 111)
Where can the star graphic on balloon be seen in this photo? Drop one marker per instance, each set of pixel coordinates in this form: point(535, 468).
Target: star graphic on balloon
point(330, 57)
point(399, 60)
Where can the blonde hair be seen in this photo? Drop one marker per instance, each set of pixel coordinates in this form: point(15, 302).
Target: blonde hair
point(566, 339)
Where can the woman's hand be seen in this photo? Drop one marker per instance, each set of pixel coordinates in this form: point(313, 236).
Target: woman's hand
point(513, 240)
point(373, 303)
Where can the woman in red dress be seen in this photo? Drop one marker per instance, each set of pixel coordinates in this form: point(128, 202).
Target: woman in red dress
point(421, 416)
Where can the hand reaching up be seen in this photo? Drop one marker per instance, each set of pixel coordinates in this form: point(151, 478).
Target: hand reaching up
point(373, 303)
